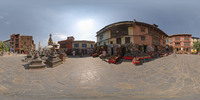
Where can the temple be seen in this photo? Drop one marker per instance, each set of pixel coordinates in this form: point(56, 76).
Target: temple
point(50, 42)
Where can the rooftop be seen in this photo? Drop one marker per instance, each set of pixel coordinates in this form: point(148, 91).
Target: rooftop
point(131, 23)
point(181, 34)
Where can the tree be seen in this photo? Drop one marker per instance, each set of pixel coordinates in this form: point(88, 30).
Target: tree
point(196, 46)
point(3, 46)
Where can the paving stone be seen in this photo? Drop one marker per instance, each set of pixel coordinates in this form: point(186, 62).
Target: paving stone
point(92, 78)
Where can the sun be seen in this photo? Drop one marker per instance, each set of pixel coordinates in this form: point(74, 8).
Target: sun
point(86, 24)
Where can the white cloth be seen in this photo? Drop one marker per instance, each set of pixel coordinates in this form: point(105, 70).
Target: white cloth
point(104, 53)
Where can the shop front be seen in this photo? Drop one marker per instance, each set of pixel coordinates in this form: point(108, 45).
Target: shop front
point(113, 49)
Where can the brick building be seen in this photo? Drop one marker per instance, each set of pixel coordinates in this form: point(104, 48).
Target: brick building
point(122, 34)
point(180, 42)
point(66, 45)
point(21, 44)
point(79, 45)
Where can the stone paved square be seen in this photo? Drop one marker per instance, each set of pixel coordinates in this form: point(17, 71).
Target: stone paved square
point(166, 78)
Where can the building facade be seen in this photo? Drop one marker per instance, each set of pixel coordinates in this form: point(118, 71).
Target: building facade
point(66, 45)
point(79, 46)
point(83, 46)
point(21, 44)
point(123, 34)
point(103, 38)
point(180, 42)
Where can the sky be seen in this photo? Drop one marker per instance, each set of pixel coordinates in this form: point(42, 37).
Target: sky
point(83, 18)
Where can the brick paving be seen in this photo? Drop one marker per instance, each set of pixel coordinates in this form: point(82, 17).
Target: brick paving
point(166, 78)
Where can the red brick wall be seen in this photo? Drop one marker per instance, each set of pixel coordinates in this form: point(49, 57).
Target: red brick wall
point(137, 30)
point(148, 40)
point(69, 45)
point(138, 33)
point(149, 35)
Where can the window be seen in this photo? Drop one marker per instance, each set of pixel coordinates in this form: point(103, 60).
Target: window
point(101, 37)
point(119, 30)
point(127, 40)
point(17, 40)
point(143, 38)
point(177, 44)
point(16, 45)
point(63, 45)
point(186, 38)
point(186, 43)
point(111, 42)
point(84, 45)
point(91, 46)
point(104, 43)
point(76, 45)
point(118, 40)
point(24, 43)
point(142, 29)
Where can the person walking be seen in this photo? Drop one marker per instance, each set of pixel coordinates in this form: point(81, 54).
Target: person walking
point(175, 53)
point(73, 53)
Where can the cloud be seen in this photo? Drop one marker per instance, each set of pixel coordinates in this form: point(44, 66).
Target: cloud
point(1, 17)
point(60, 36)
point(7, 22)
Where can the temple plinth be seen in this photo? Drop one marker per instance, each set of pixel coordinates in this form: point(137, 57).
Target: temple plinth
point(53, 60)
point(36, 62)
point(28, 57)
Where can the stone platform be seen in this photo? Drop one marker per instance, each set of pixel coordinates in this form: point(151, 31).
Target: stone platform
point(53, 60)
point(36, 62)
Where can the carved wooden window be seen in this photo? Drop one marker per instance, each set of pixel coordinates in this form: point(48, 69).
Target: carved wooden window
point(127, 40)
point(118, 40)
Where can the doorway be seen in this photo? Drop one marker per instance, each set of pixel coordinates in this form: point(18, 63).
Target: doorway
point(111, 51)
point(145, 48)
point(123, 51)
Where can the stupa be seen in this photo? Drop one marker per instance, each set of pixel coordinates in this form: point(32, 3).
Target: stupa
point(28, 57)
point(43, 56)
point(53, 60)
point(36, 62)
